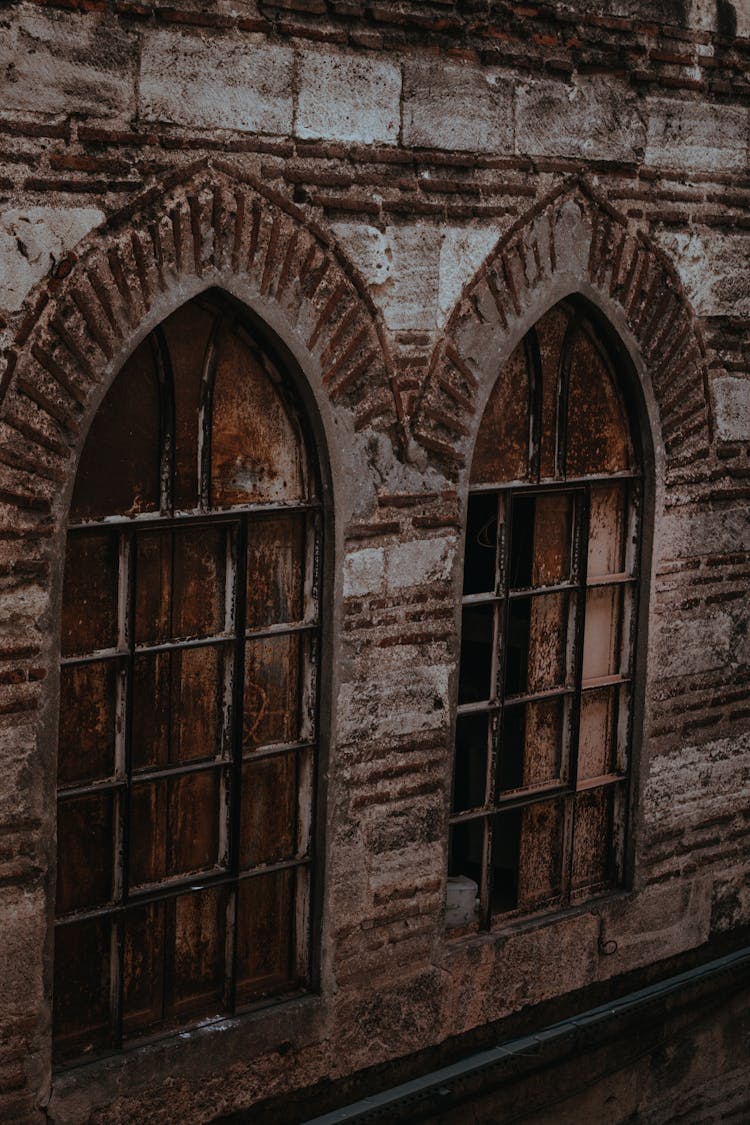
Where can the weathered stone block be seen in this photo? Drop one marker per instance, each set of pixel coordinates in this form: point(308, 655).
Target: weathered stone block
point(697, 135)
point(348, 98)
point(595, 118)
point(32, 240)
point(457, 107)
point(402, 267)
point(713, 267)
point(364, 572)
point(462, 252)
point(686, 533)
point(408, 695)
point(693, 645)
point(216, 83)
point(420, 562)
point(60, 62)
point(732, 405)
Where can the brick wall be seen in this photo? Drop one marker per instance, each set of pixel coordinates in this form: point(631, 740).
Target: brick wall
point(399, 190)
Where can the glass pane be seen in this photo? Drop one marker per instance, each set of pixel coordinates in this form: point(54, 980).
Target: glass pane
point(601, 634)
point(527, 856)
point(540, 853)
point(275, 570)
point(550, 330)
point(153, 587)
point(502, 449)
point(89, 604)
point(152, 682)
point(200, 924)
point(187, 332)
point(470, 762)
point(553, 539)
point(531, 749)
point(269, 810)
point(143, 968)
point(174, 826)
point(257, 452)
point(125, 435)
point(88, 705)
point(596, 739)
point(85, 827)
point(607, 530)
point(592, 833)
point(265, 934)
point(539, 648)
point(481, 544)
point(178, 706)
point(272, 691)
point(81, 1019)
point(597, 427)
point(541, 540)
point(475, 671)
point(200, 560)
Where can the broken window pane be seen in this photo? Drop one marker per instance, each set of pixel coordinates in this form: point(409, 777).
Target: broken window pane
point(532, 742)
point(470, 763)
point(275, 571)
point(475, 673)
point(89, 615)
point(481, 544)
point(88, 706)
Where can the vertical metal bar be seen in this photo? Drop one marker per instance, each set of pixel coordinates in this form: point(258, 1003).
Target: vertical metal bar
point(580, 626)
point(485, 889)
point(536, 402)
point(162, 361)
point(127, 618)
point(235, 768)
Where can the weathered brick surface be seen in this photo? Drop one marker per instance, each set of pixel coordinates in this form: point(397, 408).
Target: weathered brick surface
point(399, 190)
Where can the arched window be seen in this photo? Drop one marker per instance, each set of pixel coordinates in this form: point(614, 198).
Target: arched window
point(190, 617)
point(543, 730)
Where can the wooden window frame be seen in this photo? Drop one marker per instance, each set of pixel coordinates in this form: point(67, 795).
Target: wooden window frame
point(567, 790)
point(238, 521)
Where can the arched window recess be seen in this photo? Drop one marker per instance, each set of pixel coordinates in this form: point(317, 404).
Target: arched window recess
point(189, 686)
point(551, 571)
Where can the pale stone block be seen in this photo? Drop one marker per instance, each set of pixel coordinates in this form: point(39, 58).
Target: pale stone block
point(213, 82)
point(689, 647)
point(420, 562)
point(364, 572)
point(456, 107)
point(683, 534)
point(32, 240)
point(348, 98)
point(403, 696)
point(461, 254)
point(593, 118)
point(402, 268)
point(64, 62)
point(697, 135)
point(732, 406)
point(714, 267)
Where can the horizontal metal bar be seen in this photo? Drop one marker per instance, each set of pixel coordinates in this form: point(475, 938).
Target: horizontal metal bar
point(199, 881)
point(215, 639)
point(611, 580)
point(276, 749)
point(537, 591)
point(597, 682)
point(482, 599)
point(570, 484)
point(603, 781)
point(228, 516)
point(516, 799)
point(539, 696)
point(98, 656)
point(101, 785)
point(281, 630)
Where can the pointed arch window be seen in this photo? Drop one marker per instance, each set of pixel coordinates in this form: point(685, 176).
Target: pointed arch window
point(545, 697)
point(188, 696)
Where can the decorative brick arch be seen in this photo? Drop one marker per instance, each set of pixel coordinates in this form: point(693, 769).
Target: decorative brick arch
point(195, 229)
point(570, 242)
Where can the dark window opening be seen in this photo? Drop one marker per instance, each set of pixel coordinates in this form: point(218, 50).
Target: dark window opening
point(541, 773)
point(188, 713)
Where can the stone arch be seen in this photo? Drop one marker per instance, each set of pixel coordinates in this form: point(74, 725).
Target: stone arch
point(571, 242)
point(192, 231)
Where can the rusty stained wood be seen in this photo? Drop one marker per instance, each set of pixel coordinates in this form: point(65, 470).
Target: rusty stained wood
point(542, 735)
point(186, 647)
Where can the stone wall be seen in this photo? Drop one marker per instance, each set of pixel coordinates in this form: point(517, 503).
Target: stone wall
point(399, 189)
